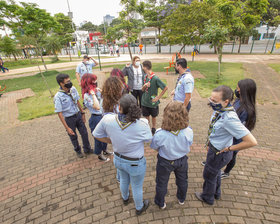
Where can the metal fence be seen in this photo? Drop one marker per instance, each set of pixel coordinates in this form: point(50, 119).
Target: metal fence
point(271, 46)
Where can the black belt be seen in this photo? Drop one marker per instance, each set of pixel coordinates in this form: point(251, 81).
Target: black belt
point(214, 149)
point(96, 114)
point(127, 158)
point(170, 161)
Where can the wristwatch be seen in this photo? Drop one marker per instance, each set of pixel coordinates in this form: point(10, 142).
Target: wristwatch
point(228, 148)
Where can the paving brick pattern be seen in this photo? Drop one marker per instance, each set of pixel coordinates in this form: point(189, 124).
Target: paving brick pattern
point(42, 181)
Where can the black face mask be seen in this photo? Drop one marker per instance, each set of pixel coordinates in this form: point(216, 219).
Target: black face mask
point(68, 85)
point(237, 93)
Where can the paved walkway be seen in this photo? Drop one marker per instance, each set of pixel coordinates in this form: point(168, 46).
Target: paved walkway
point(42, 180)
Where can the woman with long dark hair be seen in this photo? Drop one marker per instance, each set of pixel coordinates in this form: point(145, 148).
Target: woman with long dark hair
point(93, 100)
point(127, 132)
point(245, 107)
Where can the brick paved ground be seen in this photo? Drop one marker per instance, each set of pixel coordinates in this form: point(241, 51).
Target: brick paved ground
point(42, 181)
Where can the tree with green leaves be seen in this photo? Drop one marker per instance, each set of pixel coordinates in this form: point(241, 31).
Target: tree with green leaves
point(88, 26)
point(186, 24)
point(217, 35)
point(128, 27)
point(154, 16)
point(248, 14)
point(33, 22)
point(272, 16)
point(66, 31)
point(9, 47)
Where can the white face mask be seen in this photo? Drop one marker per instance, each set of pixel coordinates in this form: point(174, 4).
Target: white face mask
point(137, 63)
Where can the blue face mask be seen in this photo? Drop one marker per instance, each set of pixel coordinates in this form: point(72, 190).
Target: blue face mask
point(215, 106)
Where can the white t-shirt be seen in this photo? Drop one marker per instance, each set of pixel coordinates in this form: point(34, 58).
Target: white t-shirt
point(137, 85)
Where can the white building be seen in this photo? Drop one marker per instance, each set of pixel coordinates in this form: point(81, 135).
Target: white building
point(108, 19)
point(266, 33)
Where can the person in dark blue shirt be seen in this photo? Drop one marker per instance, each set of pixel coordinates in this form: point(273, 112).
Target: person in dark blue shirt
point(245, 107)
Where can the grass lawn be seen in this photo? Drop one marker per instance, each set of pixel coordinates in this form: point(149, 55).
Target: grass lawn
point(26, 63)
point(42, 104)
point(276, 67)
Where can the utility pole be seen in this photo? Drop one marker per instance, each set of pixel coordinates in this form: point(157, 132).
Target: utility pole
point(70, 14)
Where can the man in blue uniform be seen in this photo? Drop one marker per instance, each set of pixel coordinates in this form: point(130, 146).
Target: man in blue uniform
point(85, 67)
point(71, 114)
point(185, 84)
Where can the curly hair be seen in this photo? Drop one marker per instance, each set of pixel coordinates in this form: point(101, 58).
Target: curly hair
point(88, 83)
point(118, 73)
point(128, 103)
point(111, 93)
point(175, 117)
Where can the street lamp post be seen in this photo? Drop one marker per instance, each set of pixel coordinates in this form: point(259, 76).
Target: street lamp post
point(70, 14)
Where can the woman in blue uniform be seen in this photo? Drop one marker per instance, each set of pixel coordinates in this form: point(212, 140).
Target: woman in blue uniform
point(173, 143)
point(245, 107)
point(127, 133)
point(224, 125)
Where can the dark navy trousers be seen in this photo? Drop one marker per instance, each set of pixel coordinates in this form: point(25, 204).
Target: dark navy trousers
point(164, 169)
point(74, 122)
point(98, 145)
point(212, 174)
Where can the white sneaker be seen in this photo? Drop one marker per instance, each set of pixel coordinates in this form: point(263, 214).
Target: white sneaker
point(181, 203)
point(163, 207)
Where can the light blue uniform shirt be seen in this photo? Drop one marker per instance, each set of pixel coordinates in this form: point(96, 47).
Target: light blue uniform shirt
point(184, 85)
point(172, 145)
point(88, 101)
point(84, 68)
point(127, 141)
point(64, 103)
point(225, 128)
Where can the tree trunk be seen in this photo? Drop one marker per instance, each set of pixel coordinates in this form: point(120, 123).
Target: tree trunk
point(240, 42)
point(43, 77)
point(220, 53)
point(182, 48)
point(42, 59)
point(129, 51)
point(159, 45)
point(15, 57)
point(68, 52)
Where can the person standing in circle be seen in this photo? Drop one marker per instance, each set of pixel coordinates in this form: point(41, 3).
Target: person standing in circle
point(93, 101)
point(184, 85)
point(127, 132)
point(245, 107)
point(135, 75)
point(173, 143)
point(224, 125)
point(150, 97)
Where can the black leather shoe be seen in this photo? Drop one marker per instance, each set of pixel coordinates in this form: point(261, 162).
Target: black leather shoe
point(125, 202)
point(79, 154)
point(144, 208)
point(217, 197)
point(198, 196)
point(88, 152)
